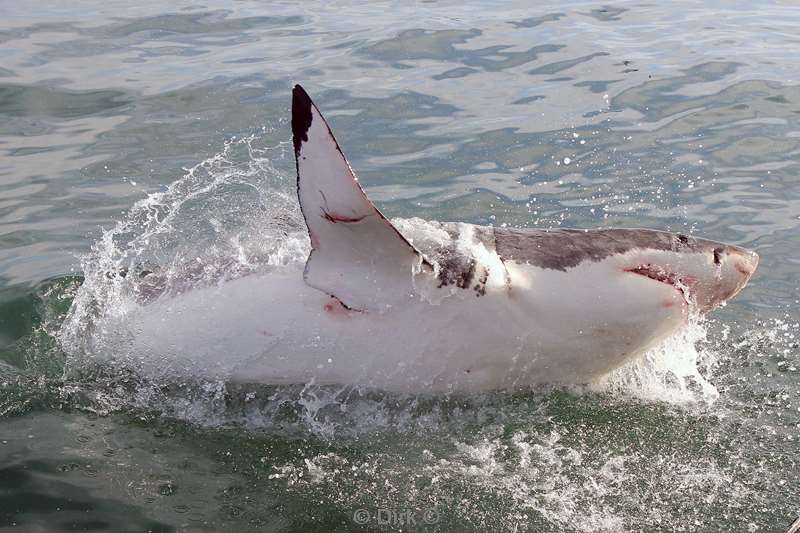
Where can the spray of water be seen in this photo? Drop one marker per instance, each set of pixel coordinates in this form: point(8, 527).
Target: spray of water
point(228, 216)
point(670, 372)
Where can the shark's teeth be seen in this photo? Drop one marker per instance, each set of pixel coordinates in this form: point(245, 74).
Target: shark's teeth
point(657, 273)
point(654, 272)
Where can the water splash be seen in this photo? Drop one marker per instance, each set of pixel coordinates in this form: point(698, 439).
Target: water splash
point(228, 216)
point(672, 372)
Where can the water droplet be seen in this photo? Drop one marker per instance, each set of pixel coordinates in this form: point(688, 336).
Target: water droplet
point(167, 489)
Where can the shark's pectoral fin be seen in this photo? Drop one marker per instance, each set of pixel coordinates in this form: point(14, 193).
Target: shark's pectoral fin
point(357, 255)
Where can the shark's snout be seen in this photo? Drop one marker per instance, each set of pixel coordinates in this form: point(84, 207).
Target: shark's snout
point(716, 281)
point(706, 273)
point(738, 266)
point(746, 262)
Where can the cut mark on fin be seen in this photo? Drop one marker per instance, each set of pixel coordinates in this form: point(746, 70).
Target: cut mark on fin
point(334, 218)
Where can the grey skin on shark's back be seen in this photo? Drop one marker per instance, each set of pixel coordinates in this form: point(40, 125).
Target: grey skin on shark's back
point(414, 305)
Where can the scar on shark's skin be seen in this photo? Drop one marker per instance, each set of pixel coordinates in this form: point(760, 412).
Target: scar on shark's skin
point(334, 217)
point(335, 307)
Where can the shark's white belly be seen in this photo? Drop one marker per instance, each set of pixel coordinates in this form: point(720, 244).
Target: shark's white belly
point(275, 329)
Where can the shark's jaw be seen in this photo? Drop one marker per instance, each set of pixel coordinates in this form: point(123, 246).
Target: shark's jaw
point(671, 279)
point(657, 273)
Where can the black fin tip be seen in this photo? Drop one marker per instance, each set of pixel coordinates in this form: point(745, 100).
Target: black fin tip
point(301, 117)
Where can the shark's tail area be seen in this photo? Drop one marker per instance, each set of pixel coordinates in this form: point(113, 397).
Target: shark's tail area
point(357, 255)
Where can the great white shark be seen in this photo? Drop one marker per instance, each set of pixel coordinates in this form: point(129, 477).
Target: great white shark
point(415, 305)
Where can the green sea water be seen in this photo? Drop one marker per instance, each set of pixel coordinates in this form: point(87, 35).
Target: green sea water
point(160, 133)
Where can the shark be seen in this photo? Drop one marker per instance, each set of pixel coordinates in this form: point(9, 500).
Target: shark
point(411, 305)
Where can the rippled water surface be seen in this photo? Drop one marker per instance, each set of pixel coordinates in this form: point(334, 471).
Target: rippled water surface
point(673, 115)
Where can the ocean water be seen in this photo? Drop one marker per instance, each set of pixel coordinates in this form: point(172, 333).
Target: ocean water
point(142, 133)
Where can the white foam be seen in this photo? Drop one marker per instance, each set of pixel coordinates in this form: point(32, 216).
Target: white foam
point(669, 372)
point(227, 216)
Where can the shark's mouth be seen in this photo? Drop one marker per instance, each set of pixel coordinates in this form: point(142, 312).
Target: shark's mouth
point(657, 273)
